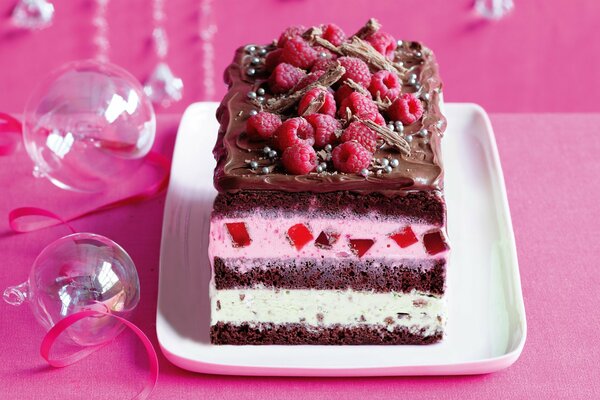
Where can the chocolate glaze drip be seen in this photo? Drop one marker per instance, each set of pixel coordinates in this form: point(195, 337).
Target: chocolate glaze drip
point(421, 170)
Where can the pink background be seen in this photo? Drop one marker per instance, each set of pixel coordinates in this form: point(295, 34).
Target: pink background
point(542, 57)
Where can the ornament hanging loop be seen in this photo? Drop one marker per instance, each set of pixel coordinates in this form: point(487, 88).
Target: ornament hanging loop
point(16, 295)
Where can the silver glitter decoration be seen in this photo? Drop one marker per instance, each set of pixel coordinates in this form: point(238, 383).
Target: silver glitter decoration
point(163, 87)
point(260, 91)
point(265, 170)
point(253, 164)
point(394, 163)
point(493, 9)
point(32, 14)
point(251, 95)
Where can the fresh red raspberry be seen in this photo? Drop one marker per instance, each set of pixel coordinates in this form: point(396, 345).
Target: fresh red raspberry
point(384, 43)
point(294, 131)
point(299, 159)
point(308, 79)
point(356, 69)
point(387, 84)
point(262, 125)
point(379, 120)
point(342, 92)
point(359, 105)
point(272, 59)
point(334, 34)
point(299, 53)
point(328, 106)
point(325, 127)
point(351, 157)
point(321, 64)
point(290, 32)
point(359, 132)
point(284, 77)
point(406, 108)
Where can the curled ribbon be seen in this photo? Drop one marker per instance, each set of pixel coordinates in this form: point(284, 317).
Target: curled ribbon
point(27, 219)
point(69, 320)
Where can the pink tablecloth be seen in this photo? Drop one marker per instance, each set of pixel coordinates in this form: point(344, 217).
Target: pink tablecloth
point(552, 167)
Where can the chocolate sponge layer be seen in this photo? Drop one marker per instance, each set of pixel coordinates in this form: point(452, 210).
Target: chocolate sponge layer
point(298, 334)
point(423, 207)
point(332, 274)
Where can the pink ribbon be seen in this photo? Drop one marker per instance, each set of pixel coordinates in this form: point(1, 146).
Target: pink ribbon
point(27, 219)
point(69, 320)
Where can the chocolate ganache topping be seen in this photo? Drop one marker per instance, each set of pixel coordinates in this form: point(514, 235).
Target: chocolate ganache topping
point(418, 169)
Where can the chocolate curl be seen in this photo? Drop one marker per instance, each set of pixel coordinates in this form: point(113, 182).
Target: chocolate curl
point(390, 138)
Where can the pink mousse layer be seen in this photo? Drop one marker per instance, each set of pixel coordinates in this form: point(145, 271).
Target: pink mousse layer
point(269, 239)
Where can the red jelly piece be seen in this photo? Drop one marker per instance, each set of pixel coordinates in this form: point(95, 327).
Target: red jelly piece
point(361, 246)
point(435, 242)
point(405, 237)
point(327, 239)
point(239, 234)
point(299, 235)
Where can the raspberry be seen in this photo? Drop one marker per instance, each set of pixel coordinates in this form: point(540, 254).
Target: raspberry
point(299, 53)
point(272, 59)
point(386, 83)
point(289, 33)
point(359, 132)
point(359, 105)
point(356, 69)
point(299, 159)
point(262, 125)
point(384, 43)
point(294, 131)
point(284, 78)
point(321, 64)
point(342, 92)
point(308, 79)
point(379, 120)
point(325, 127)
point(350, 157)
point(328, 106)
point(406, 108)
point(334, 34)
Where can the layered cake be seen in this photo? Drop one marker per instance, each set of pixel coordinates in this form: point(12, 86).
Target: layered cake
point(329, 226)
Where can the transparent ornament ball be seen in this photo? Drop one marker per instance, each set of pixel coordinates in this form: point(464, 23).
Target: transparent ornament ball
point(79, 272)
point(88, 126)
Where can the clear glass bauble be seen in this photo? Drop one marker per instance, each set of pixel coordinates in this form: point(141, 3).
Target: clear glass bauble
point(88, 126)
point(79, 272)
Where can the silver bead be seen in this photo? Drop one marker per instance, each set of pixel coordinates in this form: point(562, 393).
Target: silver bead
point(394, 163)
point(399, 43)
point(260, 99)
point(400, 128)
point(388, 169)
point(250, 71)
point(400, 63)
point(423, 132)
point(408, 138)
point(251, 49)
point(253, 112)
point(385, 162)
point(319, 169)
point(265, 170)
point(272, 154)
point(251, 95)
point(390, 126)
point(253, 164)
point(412, 77)
point(260, 92)
point(262, 51)
point(398, 125)
point(323, 165)
point(266, 149)
point(418, 54)
point(255, 60)
point(328, 147)
point(426, 96)
point(417, 85)
point(364, 172)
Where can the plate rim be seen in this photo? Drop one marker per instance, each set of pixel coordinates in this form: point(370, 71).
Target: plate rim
point(482, 366)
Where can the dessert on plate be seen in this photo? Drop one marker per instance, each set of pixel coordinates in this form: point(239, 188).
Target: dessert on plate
point(329, 226)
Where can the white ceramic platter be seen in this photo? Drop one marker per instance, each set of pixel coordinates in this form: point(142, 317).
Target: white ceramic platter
point(486, 318)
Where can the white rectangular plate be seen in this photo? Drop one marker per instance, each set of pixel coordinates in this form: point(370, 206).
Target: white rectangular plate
point(486, 318)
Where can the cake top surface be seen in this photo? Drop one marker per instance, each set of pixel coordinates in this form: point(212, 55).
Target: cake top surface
point(318, 111)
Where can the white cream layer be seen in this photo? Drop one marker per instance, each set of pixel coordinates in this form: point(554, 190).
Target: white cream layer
point(269, 238)
point(328, 307)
